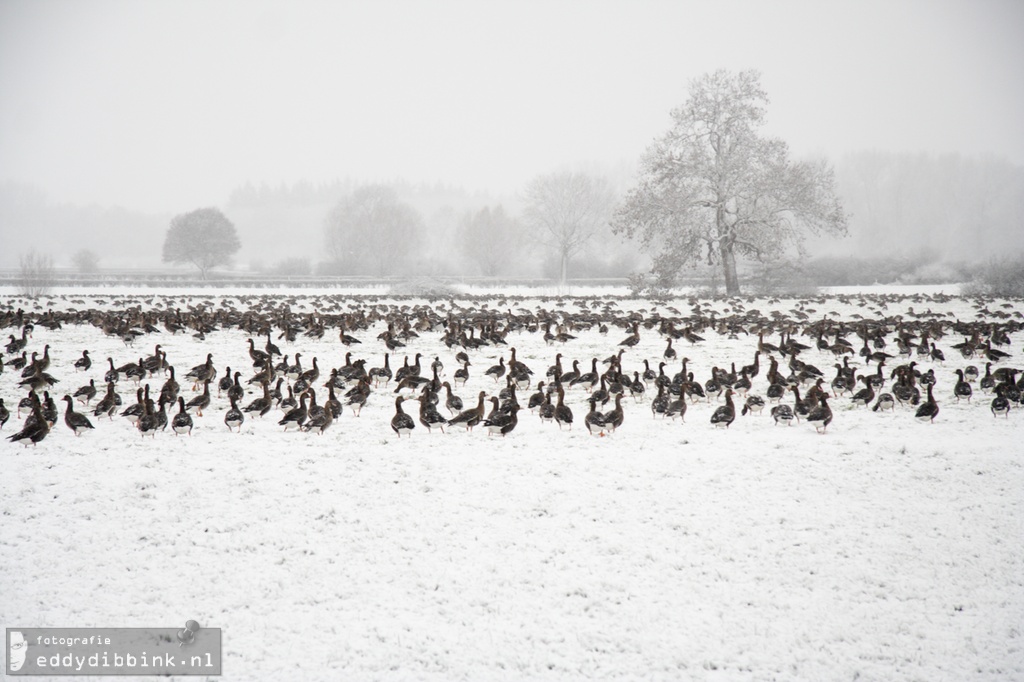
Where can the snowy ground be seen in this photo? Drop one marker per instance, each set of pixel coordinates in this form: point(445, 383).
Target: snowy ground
point(886, 549)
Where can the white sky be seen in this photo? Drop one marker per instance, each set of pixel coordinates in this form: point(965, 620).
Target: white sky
point(169, 105)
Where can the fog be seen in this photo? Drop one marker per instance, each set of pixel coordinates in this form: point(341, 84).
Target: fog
point(116, 116)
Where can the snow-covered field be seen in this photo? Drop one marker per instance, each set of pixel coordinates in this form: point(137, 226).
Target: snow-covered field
point(886, 549)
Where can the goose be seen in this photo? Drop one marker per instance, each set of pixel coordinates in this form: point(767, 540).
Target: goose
point(408, 370)
point(201, 401)
point(86, 393)
point(320, 420)
point(313, 410)
point(776, 392)
point(161, 414)
point(35, 429)
point(693, 388)
point(75, 421)
point(962, 389)
point(275, 393)
point(572, 375)
point(155, 362)
point(358, 395)
point(820, 416)
point(182, 422)
point(147, 423)
point(537, 399)
point(271, 348)
point(16, 344)
point(401, 423)
point(261, 405)
point(864, 396)
point(83, 363)
point(987, 382)
point(108, 403)
point(311, 375)
point(670, 352)
point(503, 423)
point(346, 339)
point(133, 412)
point(234, 417)
point(783, 413)
point(1000, 406)
point(381, 375)
point(259, 357)
point(885, 402)
point(225, 382)
point(497, 371)
point(169, 391)
point(752, 370)
point(39, 381)
point(5, 414)
point(636, 387)
point(649, 375)
point(602, 394)
point(594, 420)
point(472, 416)
point(546, 411)
point(32, 366)
point(205, 372)
point(452, 401)
point(235, 390)
point(332, 404)
point(563, 414)
point(676, 408)
point(295, 416)
point(589, 379)
point(743, 384)
point(461, 375)
point(659, 404)
point(49, 409)
point(293, 372)
point(753, 404)
point(634, 338)
point(929, 409)
point(613, 419)
point(289, 403)
point(801, 408)
point(725, 414)
point(429, 416)
point(111, 375)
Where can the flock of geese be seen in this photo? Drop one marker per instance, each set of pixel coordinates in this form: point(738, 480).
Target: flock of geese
point(875, 360)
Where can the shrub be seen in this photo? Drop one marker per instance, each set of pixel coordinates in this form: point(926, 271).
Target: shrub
point(36, 273)
point(1001, 277)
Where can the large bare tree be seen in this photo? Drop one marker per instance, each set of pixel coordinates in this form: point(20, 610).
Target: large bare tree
point(372, 231)
point(566, 209)
point(713, 188)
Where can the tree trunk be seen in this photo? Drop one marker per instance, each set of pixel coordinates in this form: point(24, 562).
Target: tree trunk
point(564, 270)
point(732, 281)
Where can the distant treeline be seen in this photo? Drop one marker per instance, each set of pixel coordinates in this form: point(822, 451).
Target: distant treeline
point(922, 216)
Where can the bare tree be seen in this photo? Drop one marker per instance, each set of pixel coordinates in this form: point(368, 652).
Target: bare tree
point(37, 273)
point(489, 238)
point(372, 231)
point(566, 209)
point(712, 188)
